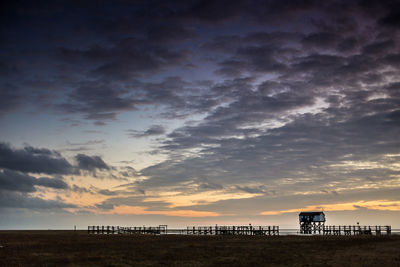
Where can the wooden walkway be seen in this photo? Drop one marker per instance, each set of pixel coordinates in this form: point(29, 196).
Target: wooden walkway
point(110, 230)
point(193, 230)
point(238, 230)
point(233, 230)
point(356, 230)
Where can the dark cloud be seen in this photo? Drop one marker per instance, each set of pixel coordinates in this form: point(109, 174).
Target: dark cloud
point(107, 192)
point(254, 58)
point(128, 171)
point(41, 160)
point(210, 186)
point(252, 190)
point(102, 101)
point(80, 190)
point(392, 19)
point(10, 199)
point(153, 130)
point(179, 97)
point(99, 101)
point(321, 40)
point(379, 47)
point(29, 159)
point(353, 115)
point(105, 206)
point(16, 181)
point(9, 98)
point(303, 148)
point(51, 182)
point(104, 71)
point(126, 59)
point(91, 163)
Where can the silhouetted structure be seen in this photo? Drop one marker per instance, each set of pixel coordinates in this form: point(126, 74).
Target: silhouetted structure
point(233, 230)
point(110, 230)
point(192, 230)
point(311, 222)
point(314, 223)
point(357, 230)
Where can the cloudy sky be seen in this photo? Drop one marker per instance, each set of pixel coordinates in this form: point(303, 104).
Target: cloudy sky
point(199, 112)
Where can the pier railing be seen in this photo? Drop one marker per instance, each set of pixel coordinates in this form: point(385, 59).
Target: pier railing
point(242, 230)
point(356, 230)
point(233, 230)
point(192, 230)
point(110, 230)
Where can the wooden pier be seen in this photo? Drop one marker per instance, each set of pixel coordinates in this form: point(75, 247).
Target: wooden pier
point(192, 230)
point(233, 230)
point(356, 230)
point(110, 230)
point(348, 230)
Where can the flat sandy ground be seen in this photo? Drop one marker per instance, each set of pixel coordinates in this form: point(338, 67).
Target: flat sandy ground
point(68, 248)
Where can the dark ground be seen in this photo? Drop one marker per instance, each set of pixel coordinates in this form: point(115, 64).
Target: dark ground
point(60, 248)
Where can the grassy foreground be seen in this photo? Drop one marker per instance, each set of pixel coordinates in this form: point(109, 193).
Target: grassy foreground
point(68, 248)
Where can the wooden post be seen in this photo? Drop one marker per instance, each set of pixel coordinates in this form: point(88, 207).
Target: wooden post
point(378, 230)
point(388, 230)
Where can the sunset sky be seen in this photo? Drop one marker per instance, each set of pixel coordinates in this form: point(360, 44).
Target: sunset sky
point(199, 112)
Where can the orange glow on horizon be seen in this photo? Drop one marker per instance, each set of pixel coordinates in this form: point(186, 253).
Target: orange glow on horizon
point(203, 198)
point(371, 205)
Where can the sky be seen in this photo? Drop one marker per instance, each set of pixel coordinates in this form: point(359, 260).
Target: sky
point(199, 112)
